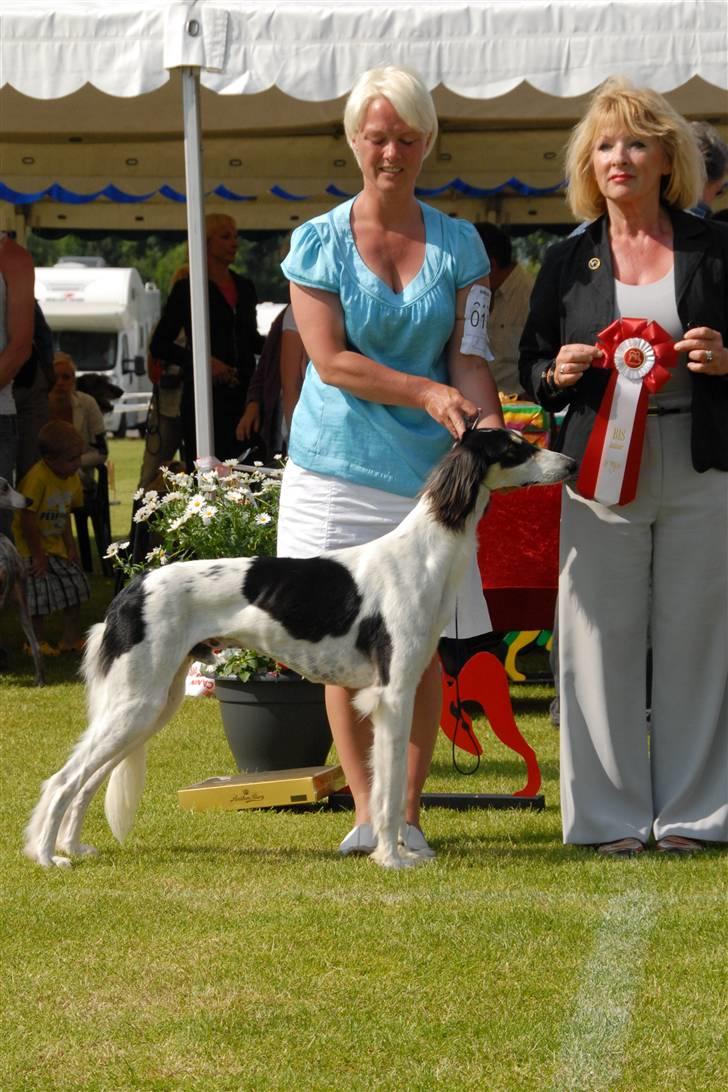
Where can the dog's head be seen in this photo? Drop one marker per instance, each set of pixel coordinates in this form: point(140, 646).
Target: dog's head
point(490, 458)
point(100, 388)
point(11, 498)
point(507, 460)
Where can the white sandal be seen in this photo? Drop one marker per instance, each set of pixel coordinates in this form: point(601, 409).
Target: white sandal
point(359, 841)
point(415, 842)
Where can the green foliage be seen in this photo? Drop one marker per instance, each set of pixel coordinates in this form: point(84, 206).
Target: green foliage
point(245, 664)
point(530, 249)
point(158, 258)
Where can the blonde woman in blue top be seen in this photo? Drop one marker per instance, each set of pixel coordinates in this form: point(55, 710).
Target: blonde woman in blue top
point(379, 288)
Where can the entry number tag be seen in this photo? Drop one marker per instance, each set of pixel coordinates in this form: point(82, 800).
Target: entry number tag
point(475, 331)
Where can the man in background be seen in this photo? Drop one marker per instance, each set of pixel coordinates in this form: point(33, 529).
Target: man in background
point(511, 286)
point(715, 156)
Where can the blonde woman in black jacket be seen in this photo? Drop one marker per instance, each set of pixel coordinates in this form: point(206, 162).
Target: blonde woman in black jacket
point(644, 560)
point(234, 338)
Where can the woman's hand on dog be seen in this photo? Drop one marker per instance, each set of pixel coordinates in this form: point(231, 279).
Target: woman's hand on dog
point(449, 408)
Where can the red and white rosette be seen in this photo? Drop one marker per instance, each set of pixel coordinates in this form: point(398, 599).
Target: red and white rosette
point(639, 355)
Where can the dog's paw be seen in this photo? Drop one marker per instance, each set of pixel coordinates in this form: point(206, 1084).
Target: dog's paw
point(417, 856)
point(389, 859)
point(77, 850)
point(50, 862)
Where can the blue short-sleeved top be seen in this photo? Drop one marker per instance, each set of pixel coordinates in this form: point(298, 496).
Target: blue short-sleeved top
point(333, 432)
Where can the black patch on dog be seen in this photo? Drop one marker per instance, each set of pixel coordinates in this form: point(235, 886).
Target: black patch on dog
point(312, 597)
point(214, 571)
point(125, 625)
point(373, 641)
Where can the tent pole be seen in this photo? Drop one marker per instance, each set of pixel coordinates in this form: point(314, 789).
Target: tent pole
point(198, 262)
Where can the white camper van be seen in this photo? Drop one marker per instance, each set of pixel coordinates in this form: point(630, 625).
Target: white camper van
point(103, 318)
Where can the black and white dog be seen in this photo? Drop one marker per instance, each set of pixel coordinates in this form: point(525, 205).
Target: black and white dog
point(368, 618)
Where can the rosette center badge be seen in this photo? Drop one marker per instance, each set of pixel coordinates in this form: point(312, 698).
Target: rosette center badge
point(634, 358)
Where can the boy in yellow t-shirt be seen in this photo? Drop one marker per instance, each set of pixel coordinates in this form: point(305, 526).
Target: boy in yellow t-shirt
point(43, 536)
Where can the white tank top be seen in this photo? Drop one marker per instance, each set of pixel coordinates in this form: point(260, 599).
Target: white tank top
point(656, 303)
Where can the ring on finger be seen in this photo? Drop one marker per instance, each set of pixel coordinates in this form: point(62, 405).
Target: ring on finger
point(708, 356)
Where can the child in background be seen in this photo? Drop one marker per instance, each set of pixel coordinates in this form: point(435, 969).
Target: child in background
point(43, 536)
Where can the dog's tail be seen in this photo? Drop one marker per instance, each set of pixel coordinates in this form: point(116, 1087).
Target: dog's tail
point(90, 669)
point(126, 783)
point(124, 792)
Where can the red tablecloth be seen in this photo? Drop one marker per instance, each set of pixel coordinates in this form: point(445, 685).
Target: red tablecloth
point(518, 555)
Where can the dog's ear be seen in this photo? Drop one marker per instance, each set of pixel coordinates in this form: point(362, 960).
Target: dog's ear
point(100, 389)
point(490, 443)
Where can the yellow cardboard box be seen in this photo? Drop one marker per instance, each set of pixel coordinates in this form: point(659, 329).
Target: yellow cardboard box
point(273, 788)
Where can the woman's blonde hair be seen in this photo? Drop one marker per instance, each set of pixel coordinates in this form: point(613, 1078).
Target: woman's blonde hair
point(213, 221)
point(60, 357)
point(618, 105)
point(407, 94)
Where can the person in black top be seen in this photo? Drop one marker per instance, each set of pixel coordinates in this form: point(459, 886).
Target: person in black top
point(234, 339)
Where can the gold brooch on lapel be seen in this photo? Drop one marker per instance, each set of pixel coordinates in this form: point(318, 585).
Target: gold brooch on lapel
point(594, 263)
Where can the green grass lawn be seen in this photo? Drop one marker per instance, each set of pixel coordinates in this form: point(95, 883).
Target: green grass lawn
point(223, 950)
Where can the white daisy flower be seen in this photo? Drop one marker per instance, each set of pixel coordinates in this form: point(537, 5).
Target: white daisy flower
point(208, 514)
point(177, 523)
point(142, 514)
point(114, 548)
point(263, 518)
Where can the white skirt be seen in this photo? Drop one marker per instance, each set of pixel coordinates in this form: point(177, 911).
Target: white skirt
point(319, 513)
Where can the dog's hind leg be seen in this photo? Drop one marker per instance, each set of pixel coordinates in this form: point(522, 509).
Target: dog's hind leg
point(126, 783)
point(116, 731)
point(68, 838)
point(391, 721)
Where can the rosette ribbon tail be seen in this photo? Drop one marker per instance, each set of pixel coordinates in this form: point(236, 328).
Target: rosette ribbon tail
point(639, 356)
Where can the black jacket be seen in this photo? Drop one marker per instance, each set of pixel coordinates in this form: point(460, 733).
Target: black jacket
point(234, 336)
point(572, 302)
point(234, 339)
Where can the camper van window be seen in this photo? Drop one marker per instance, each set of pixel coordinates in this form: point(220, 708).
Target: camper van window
point(92, 351)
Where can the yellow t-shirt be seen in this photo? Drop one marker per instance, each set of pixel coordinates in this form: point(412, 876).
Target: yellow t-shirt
point(53, 498)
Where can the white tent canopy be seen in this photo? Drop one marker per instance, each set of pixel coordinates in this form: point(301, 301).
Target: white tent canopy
point(90, 96)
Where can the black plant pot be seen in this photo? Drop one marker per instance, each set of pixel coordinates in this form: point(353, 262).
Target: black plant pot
point(274, 724)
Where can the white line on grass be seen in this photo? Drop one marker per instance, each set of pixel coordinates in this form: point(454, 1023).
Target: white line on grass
point(592, 1050)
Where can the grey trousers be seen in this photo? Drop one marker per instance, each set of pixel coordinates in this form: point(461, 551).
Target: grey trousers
point(660, 566)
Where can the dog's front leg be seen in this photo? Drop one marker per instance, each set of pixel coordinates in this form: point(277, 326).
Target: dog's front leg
point(391, 721)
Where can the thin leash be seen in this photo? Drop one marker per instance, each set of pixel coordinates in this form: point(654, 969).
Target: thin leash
point(460, 722)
